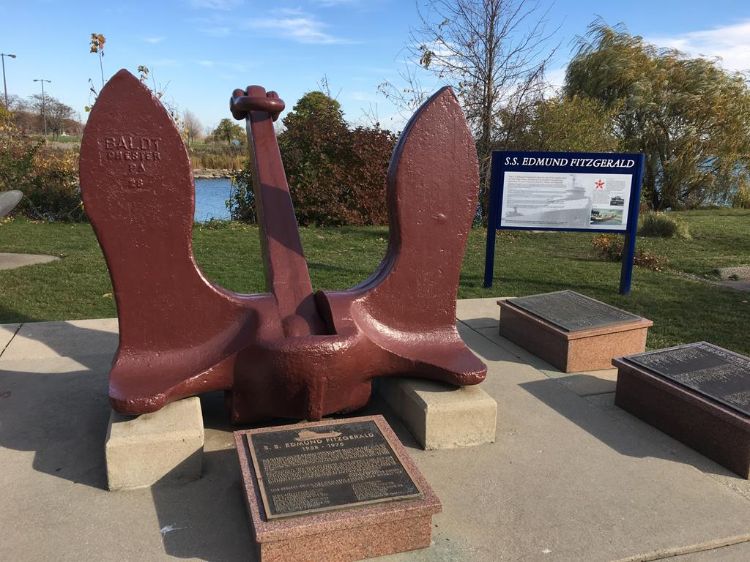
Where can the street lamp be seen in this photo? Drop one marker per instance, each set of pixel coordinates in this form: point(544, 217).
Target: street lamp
point(44, 115)
point(5, 86)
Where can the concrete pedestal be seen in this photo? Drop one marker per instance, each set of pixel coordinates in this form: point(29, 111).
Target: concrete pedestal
point(441, 416)
point(572, 352)
point(165, 445)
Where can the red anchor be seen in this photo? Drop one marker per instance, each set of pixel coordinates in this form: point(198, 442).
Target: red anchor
point(290, 352)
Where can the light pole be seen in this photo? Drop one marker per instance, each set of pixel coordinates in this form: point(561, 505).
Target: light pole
point(44, 115)
point(5, 86)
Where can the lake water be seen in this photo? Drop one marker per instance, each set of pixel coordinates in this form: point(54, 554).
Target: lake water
point(211, 199)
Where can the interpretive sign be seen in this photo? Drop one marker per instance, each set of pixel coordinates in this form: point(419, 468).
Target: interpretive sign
point(572, 311)
point(329, 466)
point(710, 370)
point(565, 191)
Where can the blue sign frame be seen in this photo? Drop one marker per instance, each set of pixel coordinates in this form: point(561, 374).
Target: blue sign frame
point(565, 162)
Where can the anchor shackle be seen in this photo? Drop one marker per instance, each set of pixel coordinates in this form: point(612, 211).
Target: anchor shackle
point(255, 98)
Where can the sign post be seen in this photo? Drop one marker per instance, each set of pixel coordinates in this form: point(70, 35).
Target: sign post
point(566, 191)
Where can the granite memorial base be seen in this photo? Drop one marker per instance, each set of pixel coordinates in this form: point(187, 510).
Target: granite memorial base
point(712, 427)
point(336, 490)
point(164, 445)
point(572, 332)
point(441, 416)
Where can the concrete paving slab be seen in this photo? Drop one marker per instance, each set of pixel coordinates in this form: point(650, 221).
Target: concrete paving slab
point(7, 332)
point(733, 553)
point(72, 338)
point(13, 261)
point(569, 478)
point(478, 313)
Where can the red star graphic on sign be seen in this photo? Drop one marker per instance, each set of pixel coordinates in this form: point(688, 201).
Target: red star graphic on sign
point(599, 184)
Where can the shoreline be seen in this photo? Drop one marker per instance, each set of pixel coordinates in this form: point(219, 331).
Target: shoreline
point(208, 174)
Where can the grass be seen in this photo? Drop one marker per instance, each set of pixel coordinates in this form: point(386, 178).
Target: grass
point(682, 308)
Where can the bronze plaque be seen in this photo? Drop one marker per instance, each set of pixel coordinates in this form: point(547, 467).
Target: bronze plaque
point(572, 311)
point(708, 369)
point(325, 467)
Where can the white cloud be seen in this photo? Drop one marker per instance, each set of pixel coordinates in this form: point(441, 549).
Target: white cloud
point(297, 26)
point(153, 40)
point(730, 43)
point(223, 5)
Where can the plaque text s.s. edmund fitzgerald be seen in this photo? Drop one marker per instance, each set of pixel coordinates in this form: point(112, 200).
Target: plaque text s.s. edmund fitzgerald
point(325, 467)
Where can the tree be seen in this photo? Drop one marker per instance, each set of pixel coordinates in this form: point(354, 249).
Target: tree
point(191, 126)
point(228, 130)
point(315, 149)
point(491, 52)
point(689, 116)
point(560, 123)
point(336, 175)
point(57, 114)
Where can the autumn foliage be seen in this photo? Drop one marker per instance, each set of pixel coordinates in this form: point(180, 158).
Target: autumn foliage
point(47, 178)
point(336, 174)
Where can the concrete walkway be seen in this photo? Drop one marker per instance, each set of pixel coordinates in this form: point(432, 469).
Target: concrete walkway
point(570, 477)
point(13, 261)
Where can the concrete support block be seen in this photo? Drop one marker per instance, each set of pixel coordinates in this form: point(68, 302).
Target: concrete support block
point(441, 416)
point(164, 445)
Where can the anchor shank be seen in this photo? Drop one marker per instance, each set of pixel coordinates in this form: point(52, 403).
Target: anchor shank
point(287, 276)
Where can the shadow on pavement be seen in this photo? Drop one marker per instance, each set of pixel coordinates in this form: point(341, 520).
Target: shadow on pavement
point(61, 415)
point(634, 438)
point(206, 519)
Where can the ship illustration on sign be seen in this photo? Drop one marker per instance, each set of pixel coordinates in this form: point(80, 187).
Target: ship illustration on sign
point(307, 435)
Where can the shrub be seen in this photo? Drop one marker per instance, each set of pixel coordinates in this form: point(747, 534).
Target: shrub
point(610, 247)
point(336, 174)
point(662, 225)
point(741, 199)
point(51, 189)
point(241, 202)
point(47, 178)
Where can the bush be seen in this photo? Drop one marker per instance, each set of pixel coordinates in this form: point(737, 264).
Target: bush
point(741, 199)
point(47, 178)
point(662, 225)
point(610, 247)
point(51, 189)
point(336, 174)
point(241, 202)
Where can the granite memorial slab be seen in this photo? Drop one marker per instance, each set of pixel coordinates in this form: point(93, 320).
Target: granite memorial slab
point(333, 490)
point(698, 393)
point(571, 331)
point(572, 311)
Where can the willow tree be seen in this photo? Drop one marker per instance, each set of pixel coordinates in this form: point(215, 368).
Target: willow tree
point(688, 115)
point(493, 53)
point(558, 123)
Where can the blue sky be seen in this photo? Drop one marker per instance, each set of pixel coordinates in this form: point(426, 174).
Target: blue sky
point(200, 50)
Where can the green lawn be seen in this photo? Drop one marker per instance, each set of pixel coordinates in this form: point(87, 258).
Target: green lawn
point(682, 309)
